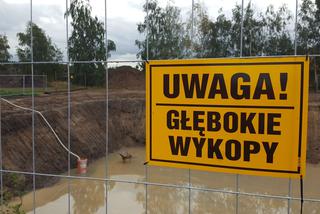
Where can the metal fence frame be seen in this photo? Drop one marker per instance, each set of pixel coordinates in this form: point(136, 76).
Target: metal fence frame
point(146, 182)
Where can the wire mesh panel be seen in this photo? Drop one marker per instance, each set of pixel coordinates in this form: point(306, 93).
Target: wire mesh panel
point(205, 202)
point(72, 110)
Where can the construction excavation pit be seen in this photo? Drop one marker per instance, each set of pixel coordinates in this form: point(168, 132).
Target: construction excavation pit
point(126, 157)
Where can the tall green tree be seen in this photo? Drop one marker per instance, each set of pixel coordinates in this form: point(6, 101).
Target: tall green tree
point(197, 28)
point(87, 43)
point(235, 30)
point(308, 28)
point(317, 2)
point(43, 47)
point(166, 33)
point(215, 37)
point(252, 31)
point(308, 41)
point(210, 38)
point(277, 39)
point(263, 34)
point(221, 37)
point(44, 50)
point(4, 49)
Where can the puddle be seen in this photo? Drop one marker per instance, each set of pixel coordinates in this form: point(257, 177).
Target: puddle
point(88, 196)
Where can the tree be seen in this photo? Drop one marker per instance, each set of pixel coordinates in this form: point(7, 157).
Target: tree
point(220, 38)
point(43, 51)
point(4, 47)
point(235, 30)
point(308, 28)
point(252, 32)
point(213, 38)
point(87, 43)
point(166, 32)
point(43, 48)
point(262, 33)
point(317, 3)
point(277, 40)
point(198, 28)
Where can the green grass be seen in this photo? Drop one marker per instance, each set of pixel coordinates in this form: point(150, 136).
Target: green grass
point(5, 92)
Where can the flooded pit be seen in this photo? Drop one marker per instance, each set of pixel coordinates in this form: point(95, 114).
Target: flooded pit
point(88, 196)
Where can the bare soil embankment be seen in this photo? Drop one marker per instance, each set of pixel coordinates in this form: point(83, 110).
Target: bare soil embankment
point(126, 125)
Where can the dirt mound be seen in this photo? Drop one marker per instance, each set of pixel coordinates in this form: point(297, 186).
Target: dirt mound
point(126, 77)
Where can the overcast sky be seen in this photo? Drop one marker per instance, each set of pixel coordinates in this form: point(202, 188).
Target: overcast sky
point(122, 19)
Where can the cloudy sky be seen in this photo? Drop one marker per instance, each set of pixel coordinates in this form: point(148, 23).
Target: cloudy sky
point(122, 19)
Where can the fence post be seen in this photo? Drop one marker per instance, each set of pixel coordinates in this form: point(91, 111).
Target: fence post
point(295, 29)
point(147, 57)
point(237, 194)
point(295, 53)
point(107, 103)
point(33, 115)
point(23, 84)
point(1, 173)
point(191, 38)
point(189, 186)
point(241, 47)
point(289, 195)
point(46, 83)
point(85, 79)
point(69, 107)
point(241, 28)
point(315, 75)
point(43, 82)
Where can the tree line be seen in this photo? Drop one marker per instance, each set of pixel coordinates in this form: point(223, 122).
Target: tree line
point(264, 33)
point(270, 32)
point(86, 43)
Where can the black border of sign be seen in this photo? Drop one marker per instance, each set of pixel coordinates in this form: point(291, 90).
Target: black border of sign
point(229, 64)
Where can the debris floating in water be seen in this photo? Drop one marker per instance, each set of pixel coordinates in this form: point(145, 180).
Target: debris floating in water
point(125, 156)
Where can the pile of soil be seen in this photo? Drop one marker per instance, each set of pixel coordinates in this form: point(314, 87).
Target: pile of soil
point(126, 77)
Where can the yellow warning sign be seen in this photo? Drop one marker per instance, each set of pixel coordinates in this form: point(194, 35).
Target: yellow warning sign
point(246, 116)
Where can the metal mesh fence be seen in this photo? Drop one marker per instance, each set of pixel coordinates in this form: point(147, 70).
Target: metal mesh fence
point(190, 188)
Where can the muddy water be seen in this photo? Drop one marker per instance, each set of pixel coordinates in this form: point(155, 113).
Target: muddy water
point(88, 197)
